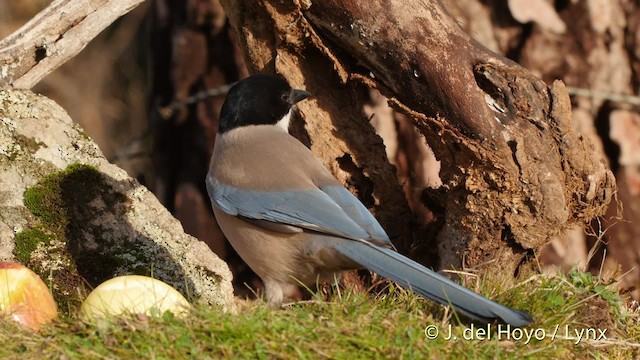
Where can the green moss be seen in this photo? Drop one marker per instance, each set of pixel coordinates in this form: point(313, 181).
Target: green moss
point(84, 134)
point(60, 196)
point(42, 200)
point(22, 144)
point(60, 203)
point(28, 144)
point(27, 241)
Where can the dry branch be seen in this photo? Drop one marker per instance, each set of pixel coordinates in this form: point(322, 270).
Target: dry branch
point(54, 36)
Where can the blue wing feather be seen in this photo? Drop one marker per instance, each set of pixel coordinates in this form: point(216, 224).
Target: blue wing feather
point(330, 209)
point(356, 211)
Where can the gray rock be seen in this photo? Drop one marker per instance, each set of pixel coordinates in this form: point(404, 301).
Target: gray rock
point(76, 219)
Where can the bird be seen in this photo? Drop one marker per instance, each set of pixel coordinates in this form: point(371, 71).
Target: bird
point(290, 219)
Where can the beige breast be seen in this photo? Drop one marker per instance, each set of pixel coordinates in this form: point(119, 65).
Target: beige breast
point(266, 158)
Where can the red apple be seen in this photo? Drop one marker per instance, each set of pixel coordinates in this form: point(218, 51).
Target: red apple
point(24, 297)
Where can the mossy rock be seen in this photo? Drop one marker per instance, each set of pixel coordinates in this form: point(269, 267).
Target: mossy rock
point(76, 219)
point(71, 207)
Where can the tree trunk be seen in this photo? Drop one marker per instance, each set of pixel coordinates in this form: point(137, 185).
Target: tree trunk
point(593, 47)
point(335, 127)
point(515, 171)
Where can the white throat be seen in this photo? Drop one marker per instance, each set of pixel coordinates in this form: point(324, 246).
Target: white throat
point(284, 122)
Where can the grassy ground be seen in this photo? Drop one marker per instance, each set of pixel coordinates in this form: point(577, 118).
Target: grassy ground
point(348, 325)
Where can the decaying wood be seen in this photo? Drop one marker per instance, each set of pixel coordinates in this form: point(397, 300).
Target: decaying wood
point(54, 36)
point(597, 57)
point(276, 38)
point(515, 170)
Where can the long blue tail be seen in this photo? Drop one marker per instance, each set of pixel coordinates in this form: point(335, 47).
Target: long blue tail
point(431, 285)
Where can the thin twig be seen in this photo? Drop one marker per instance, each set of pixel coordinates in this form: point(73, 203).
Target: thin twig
point(167, 111)
point(621, 98)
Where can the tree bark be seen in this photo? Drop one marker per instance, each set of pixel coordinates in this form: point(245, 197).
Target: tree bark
point(594, 49)
point(515, 170)
point(333, 122)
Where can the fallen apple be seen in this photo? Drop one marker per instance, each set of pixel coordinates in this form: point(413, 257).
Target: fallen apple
point(133, 294)
point(24, 297)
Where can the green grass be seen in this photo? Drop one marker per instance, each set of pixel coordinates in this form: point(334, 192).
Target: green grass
point(349, 325)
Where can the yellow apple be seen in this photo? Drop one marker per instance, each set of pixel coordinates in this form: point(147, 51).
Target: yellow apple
point(24, 297)
point(133, 294)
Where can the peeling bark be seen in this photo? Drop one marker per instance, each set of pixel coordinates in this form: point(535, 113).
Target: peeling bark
point(277, 38)
point(515, 170)
point(598, 59)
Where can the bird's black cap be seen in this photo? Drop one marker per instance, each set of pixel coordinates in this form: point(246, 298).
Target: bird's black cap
point(258, 100)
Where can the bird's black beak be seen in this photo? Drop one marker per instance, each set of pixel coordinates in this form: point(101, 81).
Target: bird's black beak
point(297, 95)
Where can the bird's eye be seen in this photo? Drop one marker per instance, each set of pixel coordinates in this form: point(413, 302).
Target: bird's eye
point(284, 97)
